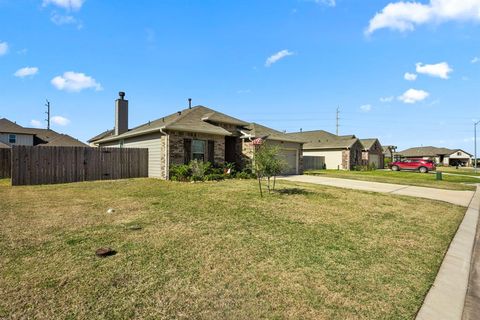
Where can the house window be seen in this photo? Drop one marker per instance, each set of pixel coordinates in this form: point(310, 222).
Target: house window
point(459, 153)
point(12, 138)
point(198, 150)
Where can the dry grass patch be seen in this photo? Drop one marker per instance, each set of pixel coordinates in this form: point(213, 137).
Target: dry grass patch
point(217, 251)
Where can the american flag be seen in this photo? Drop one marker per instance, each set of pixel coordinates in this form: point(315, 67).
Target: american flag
point(259, 141)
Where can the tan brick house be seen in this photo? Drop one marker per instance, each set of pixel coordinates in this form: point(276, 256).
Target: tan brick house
point(372, 153)
point(194, 133)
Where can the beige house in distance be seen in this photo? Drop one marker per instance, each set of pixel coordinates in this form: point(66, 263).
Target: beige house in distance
point(14, 134)
point(442, 156)
point(196, 133)
point(372, 153)
point(339, 152)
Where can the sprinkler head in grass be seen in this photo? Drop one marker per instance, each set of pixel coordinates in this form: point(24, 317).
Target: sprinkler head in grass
point(105, 252)
point(110, 211)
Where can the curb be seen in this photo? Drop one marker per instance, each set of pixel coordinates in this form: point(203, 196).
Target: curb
point(446, 297)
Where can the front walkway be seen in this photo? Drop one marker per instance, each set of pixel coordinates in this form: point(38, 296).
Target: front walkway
point(461, 198)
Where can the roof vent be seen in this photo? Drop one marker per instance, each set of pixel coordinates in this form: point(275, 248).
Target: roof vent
point(179, 112)
point(122, 95)
point(189, 103)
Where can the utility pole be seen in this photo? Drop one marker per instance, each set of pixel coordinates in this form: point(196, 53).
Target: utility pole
point(338, 118)
point(48, 114)
point(475, 141)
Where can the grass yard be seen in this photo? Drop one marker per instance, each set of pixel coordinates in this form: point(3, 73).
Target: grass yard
point(464, 171)
point(450, 182)
point(217, 251)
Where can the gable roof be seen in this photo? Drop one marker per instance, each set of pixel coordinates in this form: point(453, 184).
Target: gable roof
point(321, 139)
point(50, 138)
point(368, 143)
point(7, 126)
point(428, 151)
point(256, 130)
point(102, 135)
point(4, 145)
point(197, 119)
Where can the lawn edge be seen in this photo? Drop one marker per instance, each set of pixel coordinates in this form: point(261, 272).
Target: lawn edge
point(446, 297)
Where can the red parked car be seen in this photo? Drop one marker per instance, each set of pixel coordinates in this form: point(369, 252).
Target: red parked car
point(420, 165)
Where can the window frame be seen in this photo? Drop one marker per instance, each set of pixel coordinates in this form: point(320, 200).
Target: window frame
point(193, 153)
point(12, 136)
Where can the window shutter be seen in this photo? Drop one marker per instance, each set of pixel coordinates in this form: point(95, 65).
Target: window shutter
point(211, 151)
point(187, 150)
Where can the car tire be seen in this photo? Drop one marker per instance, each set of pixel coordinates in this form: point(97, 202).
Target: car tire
point(423, 170)
point(395, 168)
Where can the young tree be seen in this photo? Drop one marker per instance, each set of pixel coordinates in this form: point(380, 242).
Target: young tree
point(267, 164)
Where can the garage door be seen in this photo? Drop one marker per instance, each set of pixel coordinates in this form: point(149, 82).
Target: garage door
point(290, 158)
point(374, 159)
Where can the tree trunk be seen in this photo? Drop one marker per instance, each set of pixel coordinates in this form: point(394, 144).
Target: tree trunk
point(274, 180)
point(268, 184)
point(260, 186)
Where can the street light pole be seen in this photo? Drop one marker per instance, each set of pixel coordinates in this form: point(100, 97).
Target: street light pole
point(475, 141)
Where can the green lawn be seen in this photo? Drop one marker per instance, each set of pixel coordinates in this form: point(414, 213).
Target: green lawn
point(450, 182)
point(217, 251)
point(464, 171)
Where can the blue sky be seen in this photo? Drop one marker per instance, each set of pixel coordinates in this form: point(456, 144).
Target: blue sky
point(287, 64)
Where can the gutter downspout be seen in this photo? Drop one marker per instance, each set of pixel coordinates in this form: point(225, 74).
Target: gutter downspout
point(167, 153)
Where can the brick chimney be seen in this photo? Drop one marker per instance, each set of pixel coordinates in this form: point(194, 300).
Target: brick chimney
point(121, 114)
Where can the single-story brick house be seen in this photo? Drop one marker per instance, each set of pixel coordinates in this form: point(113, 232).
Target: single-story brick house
point(372, 153)
point(195, 133)
point(14, 134)
point(339, 152)
point(443, 156)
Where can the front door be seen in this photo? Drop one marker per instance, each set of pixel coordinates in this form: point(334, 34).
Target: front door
point(230, 149)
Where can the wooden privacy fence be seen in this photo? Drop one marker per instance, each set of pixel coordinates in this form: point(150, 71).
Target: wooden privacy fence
point(49, 165)
point(5, 163)
point(313, 163)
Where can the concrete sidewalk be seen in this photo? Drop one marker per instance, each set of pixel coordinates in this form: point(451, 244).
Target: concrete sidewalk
point(448, 298)
point(461, 198)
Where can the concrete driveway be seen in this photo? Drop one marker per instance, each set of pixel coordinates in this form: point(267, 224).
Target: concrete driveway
point(461, 198)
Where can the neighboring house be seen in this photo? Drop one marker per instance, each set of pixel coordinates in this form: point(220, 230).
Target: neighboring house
point(194, 133)
point(443, 156)
point(372, 153)
point(14, 134)
point(339, 152)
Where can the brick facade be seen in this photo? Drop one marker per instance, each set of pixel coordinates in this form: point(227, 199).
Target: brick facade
point(176, 146)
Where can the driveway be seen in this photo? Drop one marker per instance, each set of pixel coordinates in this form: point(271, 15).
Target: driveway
point(461, 198)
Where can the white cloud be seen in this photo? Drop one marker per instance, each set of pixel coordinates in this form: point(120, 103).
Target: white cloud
point(475, 60)
point(66, 4)
point(25, 72)
point(60, 19)
point(387, 99)
point(75, 82)
point(61, 121)
point(439, 70)
point(3, 48)
point(413, 96)
point(330, 3)
point(405, 16)
point(277, 56)
point(366, 107)
point(410, 76)
point(35, 123)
